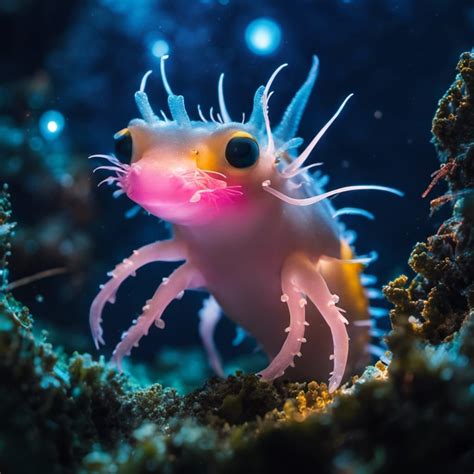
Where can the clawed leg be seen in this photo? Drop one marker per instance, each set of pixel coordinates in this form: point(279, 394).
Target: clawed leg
point(301, 277)
point(183, 278)
point(296, 302)
point(167, 250)
point(210, 315)
point(310, 281)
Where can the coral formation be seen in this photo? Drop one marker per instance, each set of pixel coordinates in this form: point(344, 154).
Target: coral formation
point(441, 295)
point(63, 414)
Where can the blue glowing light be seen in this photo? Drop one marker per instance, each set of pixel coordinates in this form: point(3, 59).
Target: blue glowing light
point(159, 48)
point(263, 36)
point(51, 124)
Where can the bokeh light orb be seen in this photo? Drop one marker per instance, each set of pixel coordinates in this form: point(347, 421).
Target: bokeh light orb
point(159, 48)
point(51, 124)
point(263, 36)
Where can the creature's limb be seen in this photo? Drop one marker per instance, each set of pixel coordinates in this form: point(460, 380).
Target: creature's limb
point(183, 278)
point(167, 250)
point(300, 276)
point(296, 305)
point(210, 315)
point(308, 279)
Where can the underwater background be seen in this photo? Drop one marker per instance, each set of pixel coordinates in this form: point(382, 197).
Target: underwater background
point(68, 72)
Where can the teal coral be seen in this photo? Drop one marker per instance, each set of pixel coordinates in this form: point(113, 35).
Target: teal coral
point(5, 235)
point(61, 414)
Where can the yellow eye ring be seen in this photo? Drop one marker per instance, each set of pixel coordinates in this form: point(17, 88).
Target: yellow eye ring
point(123, 145)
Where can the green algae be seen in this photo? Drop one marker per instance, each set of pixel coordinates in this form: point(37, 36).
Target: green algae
point(75, 414)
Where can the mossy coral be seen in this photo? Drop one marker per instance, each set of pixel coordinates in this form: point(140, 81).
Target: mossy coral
point(441, 295)
point(74, 414)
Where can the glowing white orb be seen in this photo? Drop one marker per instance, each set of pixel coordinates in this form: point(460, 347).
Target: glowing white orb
point(160, 48)
point(51, 124)
point(263, 36)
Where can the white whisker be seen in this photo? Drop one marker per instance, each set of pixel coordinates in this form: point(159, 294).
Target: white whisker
point(110, 158)
point(110, 168)
point(110, 180)
point(315, 199)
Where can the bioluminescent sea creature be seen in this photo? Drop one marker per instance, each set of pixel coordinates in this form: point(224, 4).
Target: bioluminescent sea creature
point(254, 228)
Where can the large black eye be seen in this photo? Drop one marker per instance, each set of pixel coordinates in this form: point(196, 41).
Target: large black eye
point(123, 145)
point(242, 152)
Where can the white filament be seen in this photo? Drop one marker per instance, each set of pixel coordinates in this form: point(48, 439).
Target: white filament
point(166, 119)
point(144, 79)
point(220, 91)
point(353, 211)
point(315, 199)
point(362, 259)
point(211, 114)
point(163, 75)
point(292, 168)
point(304, 169)
point(201, 115)
point(265, 98)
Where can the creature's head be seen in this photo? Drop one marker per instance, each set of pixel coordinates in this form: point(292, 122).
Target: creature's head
point(190, 172)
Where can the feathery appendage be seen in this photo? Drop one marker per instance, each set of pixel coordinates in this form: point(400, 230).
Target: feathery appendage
point(121, 171)
point(207, 186)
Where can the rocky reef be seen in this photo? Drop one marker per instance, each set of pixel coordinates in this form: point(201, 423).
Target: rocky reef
point(74, 414)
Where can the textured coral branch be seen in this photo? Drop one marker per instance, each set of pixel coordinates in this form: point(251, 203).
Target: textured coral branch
point(440, 297)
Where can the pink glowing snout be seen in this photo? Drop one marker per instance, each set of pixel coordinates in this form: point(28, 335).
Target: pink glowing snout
point(178, 195)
